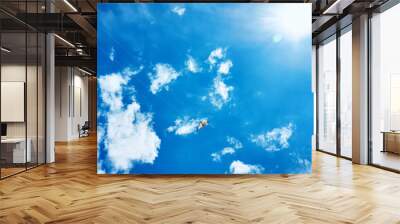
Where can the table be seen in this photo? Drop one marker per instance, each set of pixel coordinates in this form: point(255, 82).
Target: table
point(16, 147)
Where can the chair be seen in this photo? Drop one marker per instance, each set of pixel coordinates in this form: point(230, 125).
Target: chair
point(84, 130)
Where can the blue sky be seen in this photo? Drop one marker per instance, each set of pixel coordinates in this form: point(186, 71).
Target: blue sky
point(244, 69)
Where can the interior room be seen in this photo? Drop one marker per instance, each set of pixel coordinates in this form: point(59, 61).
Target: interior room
point(149, 112)
point(22, 105)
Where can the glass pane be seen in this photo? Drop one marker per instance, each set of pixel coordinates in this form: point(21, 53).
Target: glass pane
point(13, 86)
point(23, 90)
point(386, 89)
point(346, 94)
point(327, 97)
point(31, 88)
point(31, 97)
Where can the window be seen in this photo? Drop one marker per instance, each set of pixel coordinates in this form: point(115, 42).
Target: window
point(327, 96)
point(22, 77)
point(385, 89)
point(346, 93)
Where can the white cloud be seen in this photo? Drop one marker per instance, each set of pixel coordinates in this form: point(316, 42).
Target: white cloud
point(275, 139)
point(220, 93)
point(163, 75)
point(234, 142)
point(100, 133)
point(272, 148)
point(222, 89)
point(216, 156)
point(191, 65)
point(185, 126)
point(128, 135)
point(225, 67)
point(112, 54)
point(111, 86)
point(130, 73)
point(179, 10)
point(305, 163)
point(100, 170)
point(227, 150)
point(238, 167)
point(215, 55)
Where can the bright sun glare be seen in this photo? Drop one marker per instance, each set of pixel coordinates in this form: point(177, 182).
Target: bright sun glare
point(290, 24)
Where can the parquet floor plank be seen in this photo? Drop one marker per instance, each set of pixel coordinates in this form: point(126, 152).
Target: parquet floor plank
point(70, 191)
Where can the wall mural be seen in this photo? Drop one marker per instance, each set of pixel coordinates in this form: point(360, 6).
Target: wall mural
point(204, 88)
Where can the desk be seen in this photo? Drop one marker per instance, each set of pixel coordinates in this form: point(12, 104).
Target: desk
point(16, 147)
point(391, 141)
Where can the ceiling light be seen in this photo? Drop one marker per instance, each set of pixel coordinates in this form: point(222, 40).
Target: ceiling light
point(5, 50)
point(337, 7)
point(84, 71)
point(65, 41)
point(70, 5)
point(79, 51)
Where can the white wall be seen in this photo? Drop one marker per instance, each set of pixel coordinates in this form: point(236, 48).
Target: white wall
point(81, 84)
point(71, 87)
point(61, 103)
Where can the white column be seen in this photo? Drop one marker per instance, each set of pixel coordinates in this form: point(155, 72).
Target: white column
point(50, 99)
point(360, 90)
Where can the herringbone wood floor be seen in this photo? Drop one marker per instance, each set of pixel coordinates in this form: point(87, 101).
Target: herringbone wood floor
point(69, 191)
